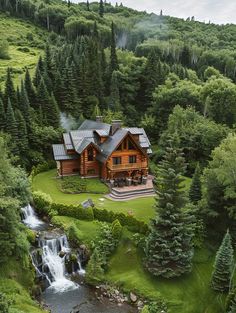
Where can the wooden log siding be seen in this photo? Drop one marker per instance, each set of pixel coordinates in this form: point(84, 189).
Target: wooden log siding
point(90, 168)
point(68, 167)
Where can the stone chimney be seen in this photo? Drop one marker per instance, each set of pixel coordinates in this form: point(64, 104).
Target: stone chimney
point(99, 119)
point(115, 125)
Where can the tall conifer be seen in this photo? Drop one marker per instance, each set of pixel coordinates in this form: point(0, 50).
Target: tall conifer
point(223, 266)
point(101, 8)
point(10, 92)
point(195, 192)
point(114, 66)
point(11, 127)
point(2, 116)
point(169, 245)
point(29, 87)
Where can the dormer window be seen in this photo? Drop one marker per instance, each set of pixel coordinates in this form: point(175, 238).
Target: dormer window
point(90, 154)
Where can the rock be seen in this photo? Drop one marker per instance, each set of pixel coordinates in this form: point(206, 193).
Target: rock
point(133, 297)
point(117, 292)
point(140, 304)
point(62, 254)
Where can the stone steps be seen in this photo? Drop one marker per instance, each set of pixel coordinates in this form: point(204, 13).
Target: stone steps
point(129, 195)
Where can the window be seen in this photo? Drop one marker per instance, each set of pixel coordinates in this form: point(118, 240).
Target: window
point(116, 160)
point(132, 159)
point(90, 154)
point(130, 145)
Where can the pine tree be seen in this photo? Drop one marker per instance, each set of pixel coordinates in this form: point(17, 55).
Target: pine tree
point(87, 4)
point(101, 8)
point(114, 66)
point(44, 103)
point(39, 72)
point(223, 266)
point(29, 87)
point(115, 93)
point(10, 92)
point(22, 134)
point(2, 116)
point(152, 76)
point(11, 127)
point(169, 245)
point(195, 191)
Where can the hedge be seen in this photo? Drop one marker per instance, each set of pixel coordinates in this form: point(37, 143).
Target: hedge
point(45, 205)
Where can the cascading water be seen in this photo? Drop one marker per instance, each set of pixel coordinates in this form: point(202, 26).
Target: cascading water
point(54, 252)
point(30, 218)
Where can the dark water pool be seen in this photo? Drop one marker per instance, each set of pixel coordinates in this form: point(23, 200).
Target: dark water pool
point(82, 300)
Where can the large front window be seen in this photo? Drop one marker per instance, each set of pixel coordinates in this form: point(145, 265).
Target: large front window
point(116, 160)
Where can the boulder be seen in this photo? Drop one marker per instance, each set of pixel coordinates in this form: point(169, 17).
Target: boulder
point(133, 297)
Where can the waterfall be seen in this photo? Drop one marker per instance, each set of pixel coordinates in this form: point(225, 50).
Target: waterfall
point(54, 252)
point(29, 217)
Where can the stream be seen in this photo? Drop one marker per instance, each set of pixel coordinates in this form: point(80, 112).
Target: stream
point(64, 292)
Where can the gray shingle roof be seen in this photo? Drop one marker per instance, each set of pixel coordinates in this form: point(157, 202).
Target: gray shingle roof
point(67, 141)
point(89, 132)
point(60, 153)
point(93, 125)
point(111, 143)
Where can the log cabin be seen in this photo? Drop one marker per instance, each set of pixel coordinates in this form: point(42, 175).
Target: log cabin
point(108, 151)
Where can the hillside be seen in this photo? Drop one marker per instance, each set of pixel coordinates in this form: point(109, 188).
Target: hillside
point(26, 43)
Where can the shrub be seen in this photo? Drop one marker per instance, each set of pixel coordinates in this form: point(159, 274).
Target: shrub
point(73, 211)
point(23, 49)
point(42, 202)
point(4, 50)
point(116, 230)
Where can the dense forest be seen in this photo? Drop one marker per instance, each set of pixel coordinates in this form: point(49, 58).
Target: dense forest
point(173, 77)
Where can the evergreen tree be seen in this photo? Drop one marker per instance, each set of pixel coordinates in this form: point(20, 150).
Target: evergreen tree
point(39, 72)
point(10, 92)
point(195, 191)
point(153, 76)
point(169, 245)
point(115, 93)
point(223, 266)
point(11, 127)
point(101, 8)
point(114, 66)
point(87, 4)
point(2, 116)
point(22, 134)
point(29, 87)
point(44, 103)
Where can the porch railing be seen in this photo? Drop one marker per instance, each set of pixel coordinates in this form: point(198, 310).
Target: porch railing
point(127, 166)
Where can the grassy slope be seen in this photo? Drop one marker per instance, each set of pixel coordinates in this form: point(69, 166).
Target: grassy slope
point(16, 282)
point(188, 294)
point(46, 182)
point(15, 31)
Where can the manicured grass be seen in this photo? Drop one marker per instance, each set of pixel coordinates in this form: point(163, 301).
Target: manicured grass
point(16, 281)
point(87, 231)
point(76, 184)
point(188, 294)
point(20, 34)
point(142, 208)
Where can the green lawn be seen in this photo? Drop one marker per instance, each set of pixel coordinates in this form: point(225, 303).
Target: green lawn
point(189, 294)
point(142, 208)
point(87, 231)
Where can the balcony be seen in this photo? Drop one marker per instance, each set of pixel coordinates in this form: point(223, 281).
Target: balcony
point(127, 166)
